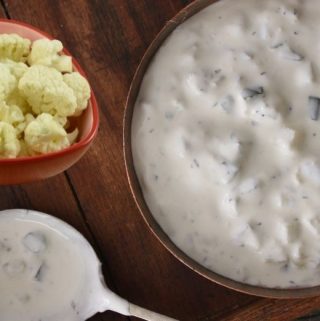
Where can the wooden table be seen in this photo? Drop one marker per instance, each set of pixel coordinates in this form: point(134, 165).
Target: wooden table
point(109, 37)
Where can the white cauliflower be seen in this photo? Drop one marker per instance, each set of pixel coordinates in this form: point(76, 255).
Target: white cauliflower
point(72, 137)
point(46, 92)
point(46, 52)
point(81, 89)
point(16, 99)
point(8, 82)
point(10, 114)
point(63, 121)
point(9, 143)
point(14, 47)
point(45, 135)
point(37, 99)
point(28, 118)
point(16, 68)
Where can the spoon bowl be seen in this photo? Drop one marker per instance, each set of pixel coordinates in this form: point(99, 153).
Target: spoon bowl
point(35, 246)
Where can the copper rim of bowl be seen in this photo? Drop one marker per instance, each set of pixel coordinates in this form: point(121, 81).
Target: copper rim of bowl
point(184, 14)
point(92, 102)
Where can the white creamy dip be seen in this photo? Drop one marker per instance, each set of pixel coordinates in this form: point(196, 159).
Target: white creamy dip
point(226, 140)
point(49, 272)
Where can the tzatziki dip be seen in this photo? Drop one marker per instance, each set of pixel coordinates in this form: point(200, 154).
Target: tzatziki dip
point(226, 140)
point(49, 272)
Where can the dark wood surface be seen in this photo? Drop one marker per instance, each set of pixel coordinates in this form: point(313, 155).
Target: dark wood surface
point(109, 37)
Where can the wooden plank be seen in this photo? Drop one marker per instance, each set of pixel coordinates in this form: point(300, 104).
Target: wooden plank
point(274, 310)
point(2, 11)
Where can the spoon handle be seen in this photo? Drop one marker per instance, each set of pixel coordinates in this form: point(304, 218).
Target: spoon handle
point(147, 315)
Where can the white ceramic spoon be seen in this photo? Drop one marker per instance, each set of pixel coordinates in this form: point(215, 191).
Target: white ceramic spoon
point(49, 272)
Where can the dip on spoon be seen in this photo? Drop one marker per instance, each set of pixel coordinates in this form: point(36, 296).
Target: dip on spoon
point(49, 272)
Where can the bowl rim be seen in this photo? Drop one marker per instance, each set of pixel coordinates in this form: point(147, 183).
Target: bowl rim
point(259, 291)
point(92, 102)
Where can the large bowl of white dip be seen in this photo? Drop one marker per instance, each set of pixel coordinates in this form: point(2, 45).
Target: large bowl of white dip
point(221, 143)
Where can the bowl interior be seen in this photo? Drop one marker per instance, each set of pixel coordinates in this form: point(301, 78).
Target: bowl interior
point(7, 26)
point(187, 12)
point(87, 123)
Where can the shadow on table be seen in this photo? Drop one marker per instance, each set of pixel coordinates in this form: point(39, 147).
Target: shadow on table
point(315, 316)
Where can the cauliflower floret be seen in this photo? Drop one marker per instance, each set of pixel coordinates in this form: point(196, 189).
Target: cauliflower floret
point(16, 99)
point(11, 114)
point(81, 89)
point(14, 47)
point(45, 135)
point(72, 137)
point(46, 52)
point(63, 121)
point(8, 82)
point(45, 91)
point(41, 91)
point(9, 143)
point(28, 118)
point(16, 68)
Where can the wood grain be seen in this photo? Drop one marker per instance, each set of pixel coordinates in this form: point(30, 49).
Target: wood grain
point(2, 13)
point(109, 37)
point(274, 310)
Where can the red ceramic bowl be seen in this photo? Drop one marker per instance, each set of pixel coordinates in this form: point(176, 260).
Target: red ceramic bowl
point(27, 169)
